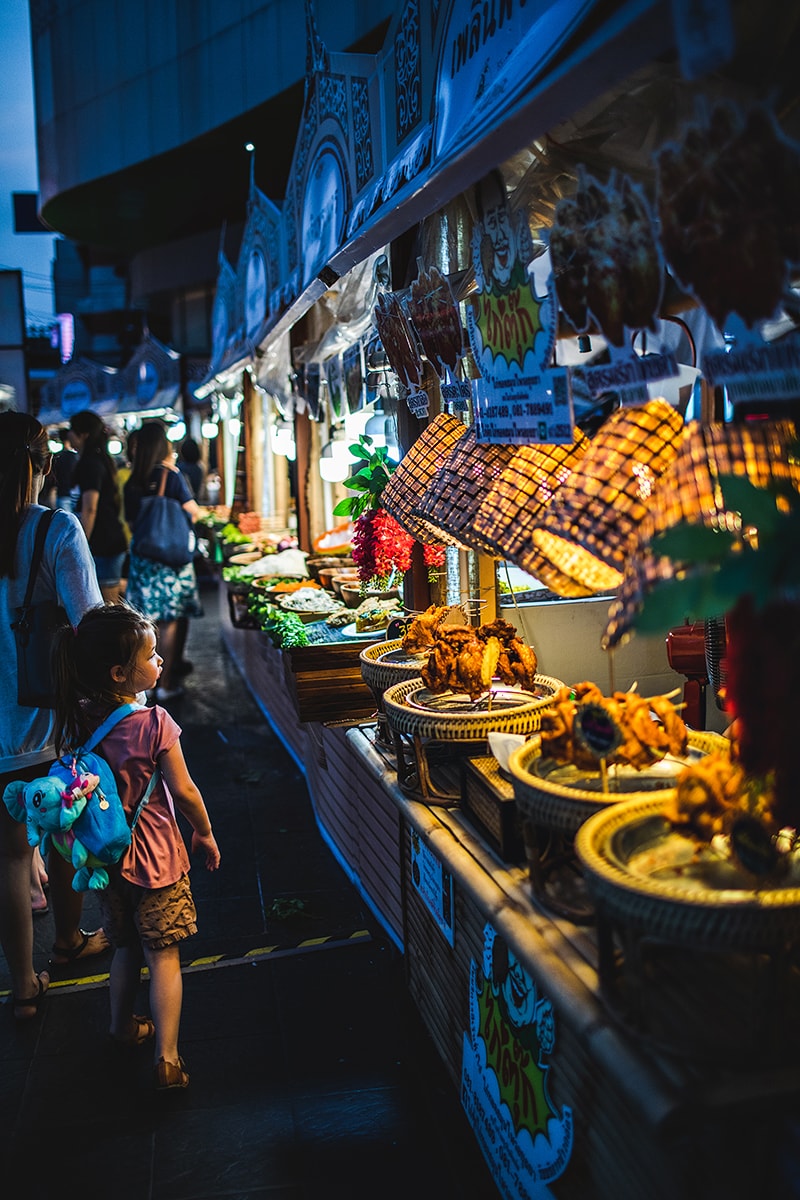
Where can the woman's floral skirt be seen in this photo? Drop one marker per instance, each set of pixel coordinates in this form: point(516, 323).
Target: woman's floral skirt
point(162, 593)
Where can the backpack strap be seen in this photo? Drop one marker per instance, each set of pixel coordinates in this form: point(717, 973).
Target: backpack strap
point(137, 812)
point(42, 527)
point(111, 720)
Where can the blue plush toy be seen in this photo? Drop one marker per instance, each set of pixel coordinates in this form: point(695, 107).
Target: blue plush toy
point(57, 815)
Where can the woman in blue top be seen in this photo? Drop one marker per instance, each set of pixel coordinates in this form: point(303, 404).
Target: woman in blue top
point(167, 595)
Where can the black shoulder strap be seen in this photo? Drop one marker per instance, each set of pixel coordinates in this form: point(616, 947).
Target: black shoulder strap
point(38, 549)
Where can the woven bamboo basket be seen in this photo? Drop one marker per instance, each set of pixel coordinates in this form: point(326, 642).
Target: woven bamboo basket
point(702, 967)
point(563, 809)
point(451, 501)
point(733, 917)
point(587, 532)
point(689, 491)
point(418, 466)
point(405, 718)
point(379, 671)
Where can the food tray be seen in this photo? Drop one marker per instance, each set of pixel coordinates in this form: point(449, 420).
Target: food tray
point(720, 910)
point(563, 806)
point(695, 964)
point(385, 663)
point(511, 714)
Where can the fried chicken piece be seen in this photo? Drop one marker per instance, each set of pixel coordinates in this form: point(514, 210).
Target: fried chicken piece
point(708, 796)
point(489, 660)
point(421, 633)
point(651, 727)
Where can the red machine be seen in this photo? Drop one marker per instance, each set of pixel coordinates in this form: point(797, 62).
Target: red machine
point(697, 650)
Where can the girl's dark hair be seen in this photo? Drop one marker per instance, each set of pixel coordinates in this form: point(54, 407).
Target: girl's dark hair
point(109, 635)
point(151, 449)
point(24, 454)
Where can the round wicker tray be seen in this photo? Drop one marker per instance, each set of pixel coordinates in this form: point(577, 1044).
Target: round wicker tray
point(563, 808)
point(674, 910)
point(405, 718)
point(379, 673)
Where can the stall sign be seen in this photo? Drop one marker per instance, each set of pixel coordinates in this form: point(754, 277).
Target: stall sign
point(531, 408)
point(629, 375)
point(457, 395)
point(76, 396)
point(490, 53)
point(526, 1141)
point(434, 884)
point(511, 324)
point(756, 370)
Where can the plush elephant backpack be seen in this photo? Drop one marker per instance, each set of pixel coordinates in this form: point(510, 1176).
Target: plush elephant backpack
point(77, 809)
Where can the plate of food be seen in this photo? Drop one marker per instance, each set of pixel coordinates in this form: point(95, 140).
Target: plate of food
point(364, 635)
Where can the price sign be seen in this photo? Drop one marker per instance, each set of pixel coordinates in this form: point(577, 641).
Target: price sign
point(596, 730)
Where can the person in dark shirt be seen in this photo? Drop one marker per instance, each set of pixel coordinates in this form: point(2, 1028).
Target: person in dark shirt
point(62, 474)
point(190, 465)
point(100, 506)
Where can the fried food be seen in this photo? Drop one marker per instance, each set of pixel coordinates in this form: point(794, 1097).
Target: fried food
point(728, 206)
point(421, 633)
point(713, 792)
point(606, 259)
point(651, 727)
point(466, 659)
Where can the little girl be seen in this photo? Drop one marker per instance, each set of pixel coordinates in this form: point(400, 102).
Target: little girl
point(147, 907)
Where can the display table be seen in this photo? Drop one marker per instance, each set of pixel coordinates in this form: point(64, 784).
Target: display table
point(564, 1100)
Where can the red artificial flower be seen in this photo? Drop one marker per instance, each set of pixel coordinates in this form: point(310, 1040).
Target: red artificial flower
point(380, 546)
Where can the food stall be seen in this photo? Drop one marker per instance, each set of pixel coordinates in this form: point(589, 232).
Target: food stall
point(591, 374)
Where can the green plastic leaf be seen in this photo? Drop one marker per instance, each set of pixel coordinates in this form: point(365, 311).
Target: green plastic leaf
point(756, 505)
point(345, 507)
point(674, 601)
point(360, 482)
point(693, 543)
point(358, 451)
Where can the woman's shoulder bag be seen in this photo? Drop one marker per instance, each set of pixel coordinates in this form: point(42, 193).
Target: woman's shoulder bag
point(33, 634)
point(162, 530)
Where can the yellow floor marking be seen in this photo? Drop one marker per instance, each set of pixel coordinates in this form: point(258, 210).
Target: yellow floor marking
point(211, 961)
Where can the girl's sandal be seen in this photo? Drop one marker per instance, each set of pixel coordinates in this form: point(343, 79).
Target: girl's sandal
point(170, 1075)
point(26, 1009)
point(143, 1030)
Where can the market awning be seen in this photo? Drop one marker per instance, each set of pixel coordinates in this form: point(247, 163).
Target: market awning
point(387, 140)
point(79, 385)
point(151, 380)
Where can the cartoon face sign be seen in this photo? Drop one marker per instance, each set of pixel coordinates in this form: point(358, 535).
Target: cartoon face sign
point(499, 250)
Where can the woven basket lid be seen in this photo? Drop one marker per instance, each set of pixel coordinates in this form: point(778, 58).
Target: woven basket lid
point(688, 491)
point(588, 530)
point(453, 497)
point(418, 466)
point(514, 505)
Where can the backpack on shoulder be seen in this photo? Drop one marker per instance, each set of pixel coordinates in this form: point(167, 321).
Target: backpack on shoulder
point(77, 809)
